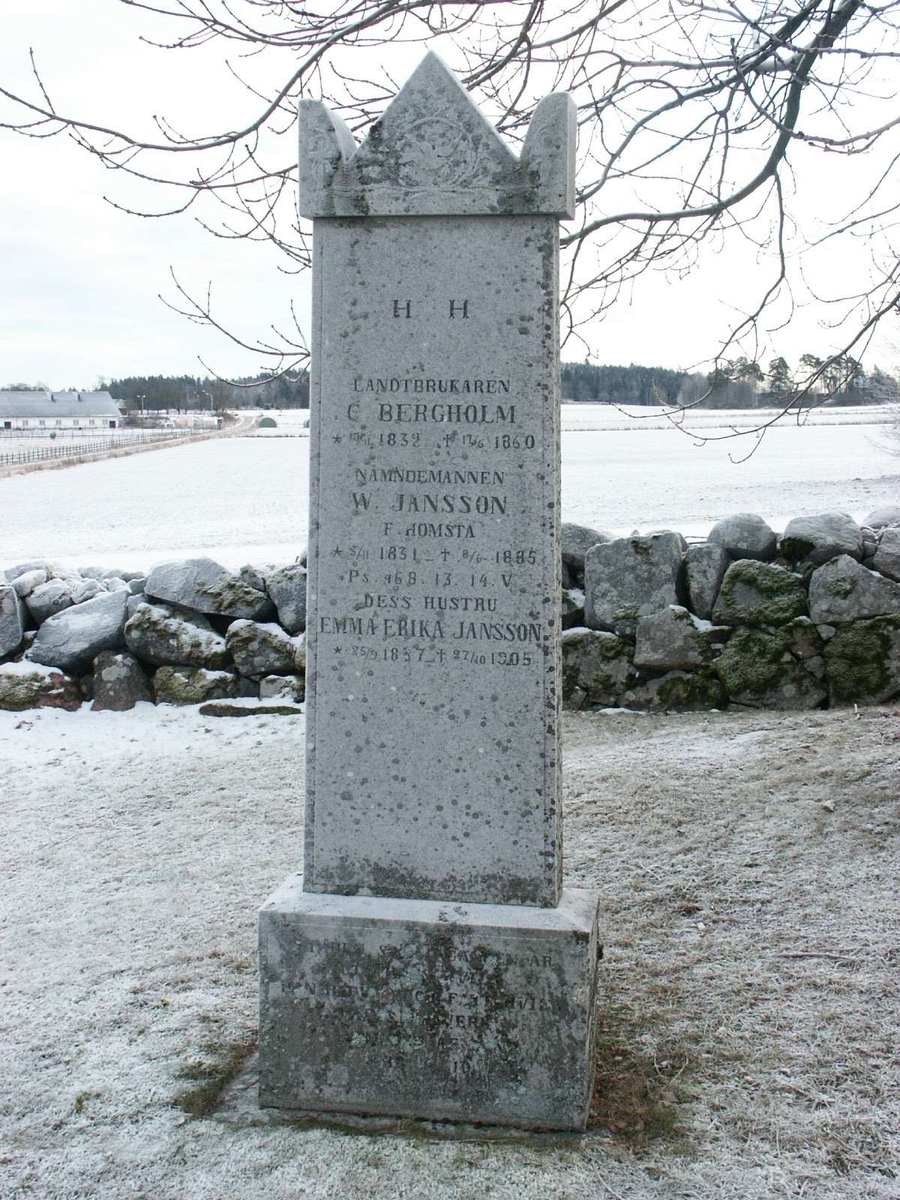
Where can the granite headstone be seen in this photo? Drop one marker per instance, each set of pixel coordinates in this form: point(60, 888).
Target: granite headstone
point(428, 962)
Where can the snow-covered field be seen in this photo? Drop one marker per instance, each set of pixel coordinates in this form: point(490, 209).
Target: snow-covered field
point(244, 499)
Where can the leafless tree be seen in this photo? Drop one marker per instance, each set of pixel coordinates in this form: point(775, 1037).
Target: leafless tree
point(694, 116)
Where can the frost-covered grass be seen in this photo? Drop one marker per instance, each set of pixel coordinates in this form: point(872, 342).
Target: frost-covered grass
point(748, 1010)
point(245, 499)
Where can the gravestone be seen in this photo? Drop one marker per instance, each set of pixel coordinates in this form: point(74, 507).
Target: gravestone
point(428, 962)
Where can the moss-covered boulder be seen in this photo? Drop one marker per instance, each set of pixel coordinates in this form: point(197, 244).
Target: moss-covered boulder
point(759, 670)
point(597, 668)
point(757, 593)
point(206, 587)
point(265, 649)
point(193, 685)
point(32, 685)
point(862, 661)
point(165, 637)
point(681, 691)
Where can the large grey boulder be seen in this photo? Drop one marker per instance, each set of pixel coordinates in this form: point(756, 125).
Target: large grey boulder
point(681, 690)
point(704, 570)
point(759, 670)
point(87, 590)
point(291, 688)
point(193, 685)
point(264, 649)
point(162, 636)
point(25, 583)
point(12, 620)
point(575, 542)
point(758, 593)
point(882, 518)
point(30, 685)
point(886, 559)
point(205, 586)
point(118, 682)
point(843, 590)
point(862, 661)
point(49, 599)
point(72, 639)
point(744, 535)
point(596, 668)
point(630, 578)
point(822, 537)
point(673, 639)
point(287, 587)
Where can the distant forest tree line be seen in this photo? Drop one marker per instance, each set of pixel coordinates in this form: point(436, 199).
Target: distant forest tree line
point(151, 393)
point(741, 383)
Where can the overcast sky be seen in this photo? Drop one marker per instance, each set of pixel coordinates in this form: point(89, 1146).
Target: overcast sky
point(81, 281)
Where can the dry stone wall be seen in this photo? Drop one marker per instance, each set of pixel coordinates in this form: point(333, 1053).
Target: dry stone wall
point(804, 619)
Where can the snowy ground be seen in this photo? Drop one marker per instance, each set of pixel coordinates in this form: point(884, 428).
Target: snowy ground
point(747, 865)
point(244, 499)
point(749, 1017)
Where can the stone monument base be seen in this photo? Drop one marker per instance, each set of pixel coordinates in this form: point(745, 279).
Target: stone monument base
point(421, 1008)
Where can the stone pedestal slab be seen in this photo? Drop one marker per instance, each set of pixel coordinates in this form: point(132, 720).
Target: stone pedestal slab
point(474, 1012)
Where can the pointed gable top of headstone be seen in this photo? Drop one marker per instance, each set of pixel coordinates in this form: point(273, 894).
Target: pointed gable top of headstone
point(432, 152)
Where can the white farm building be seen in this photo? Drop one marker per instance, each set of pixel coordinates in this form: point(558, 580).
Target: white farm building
point(49, 411)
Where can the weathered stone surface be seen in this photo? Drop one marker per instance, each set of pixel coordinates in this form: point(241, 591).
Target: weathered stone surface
point(759, 670)
point(87, 590)
point(252, 577)
point(72, 639)
point(704, 569)
point(757, 593)
point(10, 574)
point(193, 685)
point(25, 583)
point(119, 682)
point(744, 535)
point(821, 538)
point(630, 578)
point(136, 586)
point(806, 641)
point(597, 668)
point(204, 585)
point(862, 661)
point(886, 559)
point(679, 690)
point(575, 541)
point(434, 612)
point(30, 685)
point(285, 687)
point(287, 587)
point(671, 639)
point(48, 599)
point(433, 152)
point(473, 1012)
point(162, 636)
point(264, 649)
point(843, 590)
point(456, 682)
point(881, 518)
point(572, 608)
point(12, 620)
